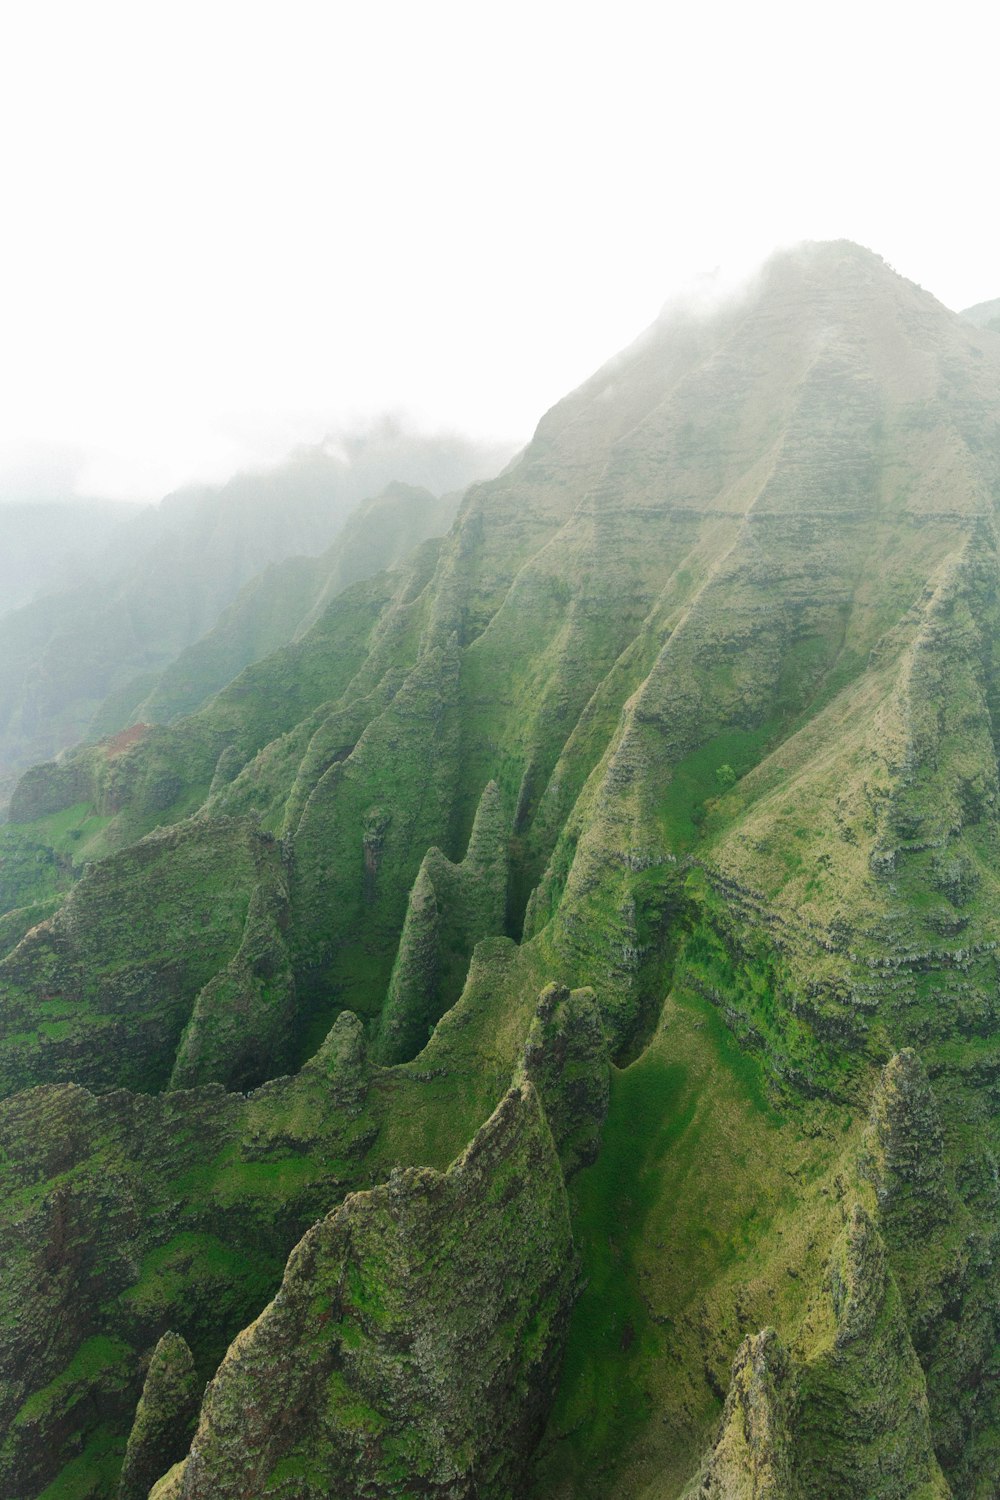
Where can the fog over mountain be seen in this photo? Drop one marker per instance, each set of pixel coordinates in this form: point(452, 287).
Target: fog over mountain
point(47, 544)
point(985, 315)
point(98, 597)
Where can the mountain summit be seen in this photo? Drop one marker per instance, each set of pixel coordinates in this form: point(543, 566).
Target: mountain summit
point(535, 1032)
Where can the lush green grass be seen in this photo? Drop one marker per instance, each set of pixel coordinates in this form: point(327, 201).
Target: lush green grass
point(696, 781)
point(695, 1206)
point(73, 830)
point(229, 1180)
point(94, 1472)
point(648, 1114)
point(93, 1358)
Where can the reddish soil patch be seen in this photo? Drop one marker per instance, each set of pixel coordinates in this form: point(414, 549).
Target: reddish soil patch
point(125, 737)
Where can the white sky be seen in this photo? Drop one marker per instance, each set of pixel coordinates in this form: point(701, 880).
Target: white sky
point(228, 227)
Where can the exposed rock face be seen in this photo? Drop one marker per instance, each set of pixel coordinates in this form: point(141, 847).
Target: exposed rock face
point(164, 1418)
point(451, 908)
point(864, 1427)
point(243, 1021)
point(944, 1260)
point(907, 1163)
point(363, 833)
point(100, 993)
point(414, 1341)
point(343, 1061)
point(846, 1417)
point(124, 1214)
point(752, 1459)
point(566, 1058)
point(412, 1004)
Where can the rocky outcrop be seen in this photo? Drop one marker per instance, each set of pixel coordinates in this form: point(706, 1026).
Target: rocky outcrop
point(122, 1215)
point(100, 993)
point(164, 1418)
point(864, 1427)
point(450, 909)
point(944, 1259)
point(907, 1155)
point(411, 1002)
point(566, 1058)
point(242, 1027)
point(414, 1341)
point(846, 1414)
point(364, 831)
point(753, 1456)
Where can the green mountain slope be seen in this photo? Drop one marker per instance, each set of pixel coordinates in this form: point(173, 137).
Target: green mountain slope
point(79, 661)
point(285, 599)
point(643, 833)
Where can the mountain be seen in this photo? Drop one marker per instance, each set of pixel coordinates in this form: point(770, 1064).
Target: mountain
point(535, 1032)
point(985, 315)
point(82, 658)
point(44, 545)
point(279, 603)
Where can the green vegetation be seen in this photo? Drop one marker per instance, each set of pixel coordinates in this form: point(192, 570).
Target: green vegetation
point(483, 1253)
point(535, 1031)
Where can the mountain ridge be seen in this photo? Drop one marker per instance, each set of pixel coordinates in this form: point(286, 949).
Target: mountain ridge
point(691, 713)
point(78, 661)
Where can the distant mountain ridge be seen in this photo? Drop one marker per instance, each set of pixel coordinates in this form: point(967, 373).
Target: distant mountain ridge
point(161, 580)
point(278, 604)
point(985, 315)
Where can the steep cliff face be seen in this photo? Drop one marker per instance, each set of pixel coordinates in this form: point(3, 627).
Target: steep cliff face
point(450, 908)
point(849, 1415)
point(687, 727)
point(414, 1341)
point(944, 1246)
point(566, 1058)
point(864, 1425)
point(907, 1157)
point(164, 1418)
point(123, 1216)
point(102, 991)
point(753, 1457)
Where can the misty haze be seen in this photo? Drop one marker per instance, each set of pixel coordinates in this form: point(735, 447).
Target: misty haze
point(100, 598)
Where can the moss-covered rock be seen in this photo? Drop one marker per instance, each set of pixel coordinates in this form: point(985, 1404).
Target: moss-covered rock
point(753, 1456)
point(164, 1418)
point(723, 646)
point(101, 992)
point(450, 909)
point(414, 1341)
point(907, 1158)
point(566, 1058)
point(242, 1027)
point(123, 1215)
point(847, 1414)
point(864, 1425)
